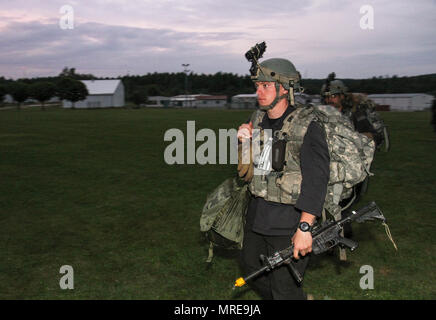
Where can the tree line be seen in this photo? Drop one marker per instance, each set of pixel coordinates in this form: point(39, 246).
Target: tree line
point(138, 87)
point(66, 87)
point(171, 84)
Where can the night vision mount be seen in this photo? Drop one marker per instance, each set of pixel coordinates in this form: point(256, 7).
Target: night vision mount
point(330, 78)
point(253, 55)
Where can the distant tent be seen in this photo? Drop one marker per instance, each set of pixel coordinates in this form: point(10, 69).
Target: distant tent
point(102, 94)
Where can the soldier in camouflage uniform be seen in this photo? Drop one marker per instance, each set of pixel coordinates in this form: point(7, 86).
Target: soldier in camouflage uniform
point(361, 111)
point(277, 216)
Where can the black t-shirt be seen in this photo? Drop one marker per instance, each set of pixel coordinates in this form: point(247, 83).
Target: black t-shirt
point(272, 218)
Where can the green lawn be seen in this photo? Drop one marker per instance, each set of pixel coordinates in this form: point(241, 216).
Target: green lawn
point(91, 189)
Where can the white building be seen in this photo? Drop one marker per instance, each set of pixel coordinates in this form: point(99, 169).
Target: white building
point(208, 101)
point(314, 99)
point(8, 99)
point(249, 101)
point(244, 101)
point(102, 94)
point(198, 101)
point(304, 98)
point(158, 101)
point(403, 101)
point(183, 101)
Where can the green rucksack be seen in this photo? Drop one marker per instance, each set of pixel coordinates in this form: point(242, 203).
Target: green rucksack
point(223, 216)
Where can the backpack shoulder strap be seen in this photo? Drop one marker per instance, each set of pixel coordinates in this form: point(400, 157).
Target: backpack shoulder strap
point(294, 129)
point(256, 117)
point(298, 120)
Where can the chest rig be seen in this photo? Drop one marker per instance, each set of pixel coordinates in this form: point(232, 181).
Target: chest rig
point(282, 183)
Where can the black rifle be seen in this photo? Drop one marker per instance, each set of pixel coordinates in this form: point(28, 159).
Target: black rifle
point(324, 237)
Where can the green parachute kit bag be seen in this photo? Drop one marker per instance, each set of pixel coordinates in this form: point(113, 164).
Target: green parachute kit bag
point(351, 155)
point(223, 215)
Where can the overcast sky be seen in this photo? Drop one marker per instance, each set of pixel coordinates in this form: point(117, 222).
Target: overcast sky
point(114, 37)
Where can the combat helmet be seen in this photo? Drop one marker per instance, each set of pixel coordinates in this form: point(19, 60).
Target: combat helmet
point(278, 70)
point(333, 86)
point(337, 87)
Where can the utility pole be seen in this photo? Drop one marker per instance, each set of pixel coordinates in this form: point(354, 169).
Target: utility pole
point(186, 71)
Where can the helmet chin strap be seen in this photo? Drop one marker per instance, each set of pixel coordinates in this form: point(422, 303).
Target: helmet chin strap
point(291, 96)
point(276, 100)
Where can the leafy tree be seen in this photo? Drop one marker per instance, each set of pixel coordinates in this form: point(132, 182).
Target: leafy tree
point(20, 92)
point(3, 92)
point(139, 97)
point(42, 91)
point(71, 90)
point(153, 90)
point(71, 73)
point(68, 72)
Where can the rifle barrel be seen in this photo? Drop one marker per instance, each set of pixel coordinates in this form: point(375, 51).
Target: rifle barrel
point(242, 281)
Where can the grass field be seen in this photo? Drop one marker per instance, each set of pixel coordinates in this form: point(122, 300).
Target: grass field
point(90, 189)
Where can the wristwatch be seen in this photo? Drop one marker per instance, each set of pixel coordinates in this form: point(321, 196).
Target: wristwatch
point(305, 227)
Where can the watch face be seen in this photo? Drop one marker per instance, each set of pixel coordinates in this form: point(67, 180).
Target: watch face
point(304, 226)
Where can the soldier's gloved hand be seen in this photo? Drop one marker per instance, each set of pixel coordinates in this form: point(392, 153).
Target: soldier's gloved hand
point(245, 131)
point(245, 162)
